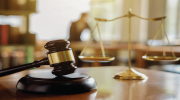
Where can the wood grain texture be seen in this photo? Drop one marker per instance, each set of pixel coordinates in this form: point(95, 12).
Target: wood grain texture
point(159, 86)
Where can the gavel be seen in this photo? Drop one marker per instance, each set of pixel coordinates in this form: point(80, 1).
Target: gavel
point(59, 56)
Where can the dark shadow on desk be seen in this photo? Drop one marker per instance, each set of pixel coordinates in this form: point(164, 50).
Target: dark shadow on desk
point(20, 95)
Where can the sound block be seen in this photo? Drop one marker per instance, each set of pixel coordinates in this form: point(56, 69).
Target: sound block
point(44, 82)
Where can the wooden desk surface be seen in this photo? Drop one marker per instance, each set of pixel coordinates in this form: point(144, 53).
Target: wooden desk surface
point(159, 86)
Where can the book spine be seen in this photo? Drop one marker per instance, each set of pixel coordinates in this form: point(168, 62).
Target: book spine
point(5, 59)
point(13, 5)
point(14, 35)
point(4, 34)
point(4, 5)
point(31, 5)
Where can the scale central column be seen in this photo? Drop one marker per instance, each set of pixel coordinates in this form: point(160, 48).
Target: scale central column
point(130, 73)
point(129, 43)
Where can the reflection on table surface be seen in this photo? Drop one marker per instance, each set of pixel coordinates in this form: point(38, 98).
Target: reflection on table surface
point(158, 86)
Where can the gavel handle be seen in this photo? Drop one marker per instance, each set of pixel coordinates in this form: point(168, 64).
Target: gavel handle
point(15, 69)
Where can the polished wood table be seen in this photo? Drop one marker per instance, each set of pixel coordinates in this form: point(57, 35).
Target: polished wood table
point(159, 86)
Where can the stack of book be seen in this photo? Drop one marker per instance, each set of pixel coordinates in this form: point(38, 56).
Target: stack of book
point(11, 57)
point(11, 36)
point(18, 5)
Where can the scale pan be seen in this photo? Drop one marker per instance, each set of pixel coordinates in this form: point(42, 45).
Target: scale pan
point(96, 58)
point(160, 58)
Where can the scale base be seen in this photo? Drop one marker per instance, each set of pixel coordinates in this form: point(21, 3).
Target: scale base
point(45, 82)
point(130, 74)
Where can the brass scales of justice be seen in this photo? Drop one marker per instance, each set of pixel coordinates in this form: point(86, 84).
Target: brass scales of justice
point(130, 73)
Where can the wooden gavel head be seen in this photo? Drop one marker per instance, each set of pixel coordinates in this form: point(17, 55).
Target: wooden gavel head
point(60, 57)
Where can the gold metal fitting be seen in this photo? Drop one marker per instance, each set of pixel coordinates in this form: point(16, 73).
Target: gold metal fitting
point(130, 74)
point(62, 56)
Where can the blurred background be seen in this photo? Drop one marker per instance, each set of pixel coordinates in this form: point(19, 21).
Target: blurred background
point(26, 25)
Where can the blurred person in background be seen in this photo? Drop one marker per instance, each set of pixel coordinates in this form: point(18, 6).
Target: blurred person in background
point(77, 28)
point(75, 33)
